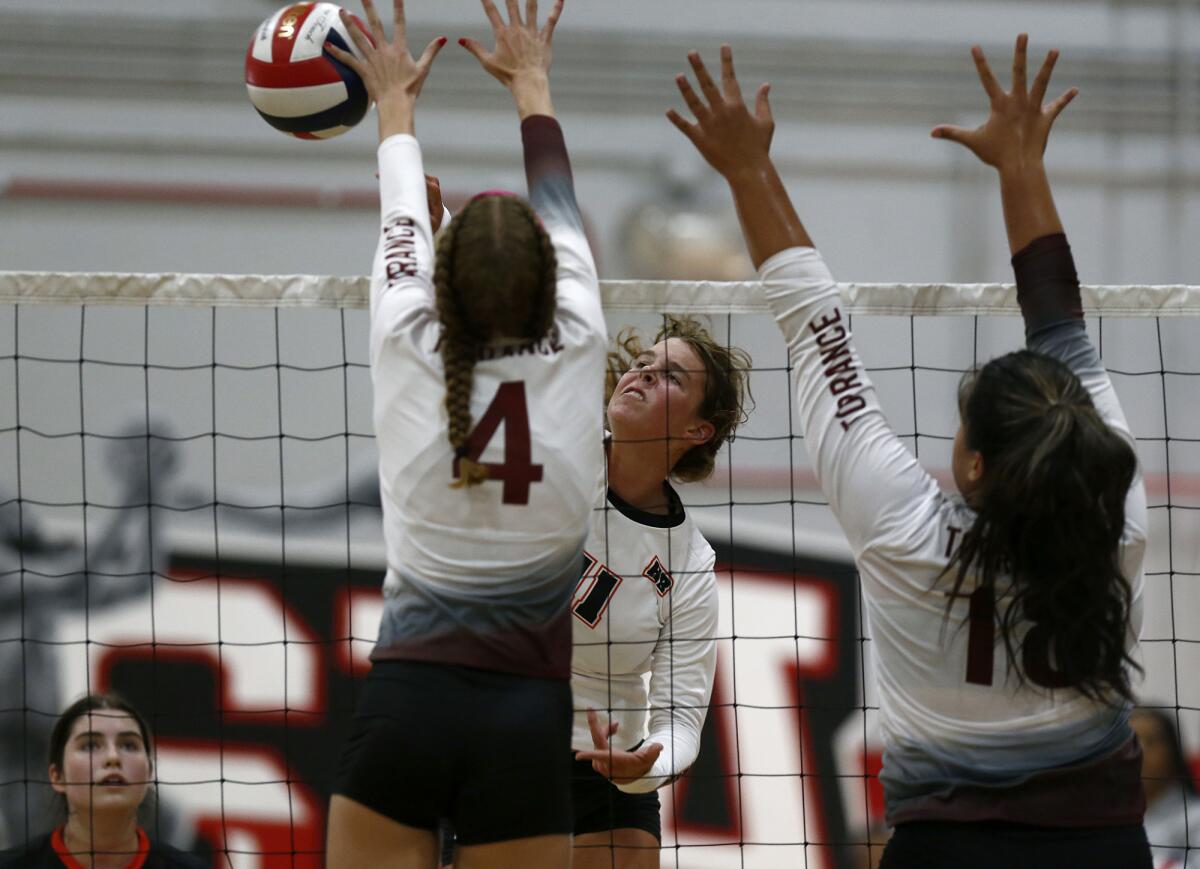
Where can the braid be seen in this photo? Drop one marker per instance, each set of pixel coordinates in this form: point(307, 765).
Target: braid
point(458, 360)
point(487, 284)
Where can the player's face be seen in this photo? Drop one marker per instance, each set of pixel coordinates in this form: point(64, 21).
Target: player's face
point(660, 397)
point(966, 463)
point(106, 767)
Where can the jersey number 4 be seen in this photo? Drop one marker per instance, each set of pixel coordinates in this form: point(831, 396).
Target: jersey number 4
point(518, 471)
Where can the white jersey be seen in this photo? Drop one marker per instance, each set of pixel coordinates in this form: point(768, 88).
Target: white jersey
point(646, 605)
point(949, 717)
point(482, 575)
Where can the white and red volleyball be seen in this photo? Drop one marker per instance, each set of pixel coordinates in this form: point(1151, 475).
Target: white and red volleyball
point(294, 83)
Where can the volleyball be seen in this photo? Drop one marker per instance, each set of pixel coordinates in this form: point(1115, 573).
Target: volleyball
point(296, 85)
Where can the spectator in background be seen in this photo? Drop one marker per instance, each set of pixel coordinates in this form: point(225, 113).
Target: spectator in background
point(101, 764)
point(1172, 804)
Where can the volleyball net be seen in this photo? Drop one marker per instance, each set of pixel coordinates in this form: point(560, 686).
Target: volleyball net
point(189, 514)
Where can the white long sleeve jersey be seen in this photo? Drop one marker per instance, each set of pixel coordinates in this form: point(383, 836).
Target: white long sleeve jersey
point(482, 576)
point(939, 729)
point(646, 605)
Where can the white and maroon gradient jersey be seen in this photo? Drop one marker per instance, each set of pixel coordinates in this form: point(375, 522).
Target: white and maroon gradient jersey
point(646, 606)
point(961, 734)
point(482, 576)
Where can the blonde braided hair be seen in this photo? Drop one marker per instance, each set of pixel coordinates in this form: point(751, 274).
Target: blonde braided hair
point(494, 277)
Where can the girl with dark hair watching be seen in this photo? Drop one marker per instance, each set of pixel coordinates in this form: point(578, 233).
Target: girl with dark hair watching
point(487, 362)
point(102, 765)
point(1004, 617)
point(1172, 804)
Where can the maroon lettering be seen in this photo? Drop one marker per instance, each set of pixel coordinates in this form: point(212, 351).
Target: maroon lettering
point(826, 321)
point(838, 385)
point(833, 336)
point(954, 532)
point(400, 249)
point(849, 404)
point(843, 349)
point(842, 367)
point(518, 470)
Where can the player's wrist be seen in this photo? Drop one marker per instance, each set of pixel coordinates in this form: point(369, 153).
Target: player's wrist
point(396, 116)
point(1019, 167)
point(531, 92)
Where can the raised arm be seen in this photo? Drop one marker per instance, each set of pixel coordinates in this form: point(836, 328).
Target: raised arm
point(522, 55)
point(737, 144)
point(400, 277)
point(874, 485)
point(520, 60)
point(392, 77)
point(1013, 141)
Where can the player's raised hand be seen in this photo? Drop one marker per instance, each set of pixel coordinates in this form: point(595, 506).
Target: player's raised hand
point(1018, 125)
point(619, 766)
point(393, 77)
point(522, 54)
point(728, 135)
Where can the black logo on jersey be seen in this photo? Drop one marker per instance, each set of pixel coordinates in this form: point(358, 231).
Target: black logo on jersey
point(658, 575)
point(599, 584)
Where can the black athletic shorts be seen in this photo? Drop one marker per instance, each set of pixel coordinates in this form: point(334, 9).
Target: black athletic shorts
point(600, 806)
point(488, 752)
point(995, 845)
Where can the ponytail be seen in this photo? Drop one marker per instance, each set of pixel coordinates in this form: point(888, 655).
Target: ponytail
point(1050, 514)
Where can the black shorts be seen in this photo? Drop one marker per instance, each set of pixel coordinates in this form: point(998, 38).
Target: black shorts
point(984, 845)
point(600, 806)
point(486, 751)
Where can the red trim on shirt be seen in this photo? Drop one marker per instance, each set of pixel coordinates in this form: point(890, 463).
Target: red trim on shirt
point(68, 859)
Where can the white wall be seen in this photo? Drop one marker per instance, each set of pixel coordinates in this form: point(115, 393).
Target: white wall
point(150, 92)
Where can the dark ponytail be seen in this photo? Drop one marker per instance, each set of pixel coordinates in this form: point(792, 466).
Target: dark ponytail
point(494, 278)
point(1050, 513)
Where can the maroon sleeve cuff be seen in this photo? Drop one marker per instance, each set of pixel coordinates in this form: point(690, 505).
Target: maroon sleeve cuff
point(545, 150)
point(1047, 284)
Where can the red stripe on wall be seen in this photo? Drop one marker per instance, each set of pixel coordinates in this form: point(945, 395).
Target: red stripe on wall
point(190, 194)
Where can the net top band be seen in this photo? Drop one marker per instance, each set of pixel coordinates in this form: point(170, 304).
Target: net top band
point(696, 297)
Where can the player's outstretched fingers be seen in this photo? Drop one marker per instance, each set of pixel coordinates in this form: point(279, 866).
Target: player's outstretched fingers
point(1020, 54)
point(399, 28)
point(426, 59)
point(514, 13)
point(707, 86)
point(729, 82)
point(699, 109)
point(374, 23)
point(762, 105)
point(552, 20)
point(600, 732)
point(351, 61)
point(1056, 107)
point(685, 127)
point(359, 38)
point(986, 77)
point(474, 46)
point(493, 14)
point(1042, 80)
